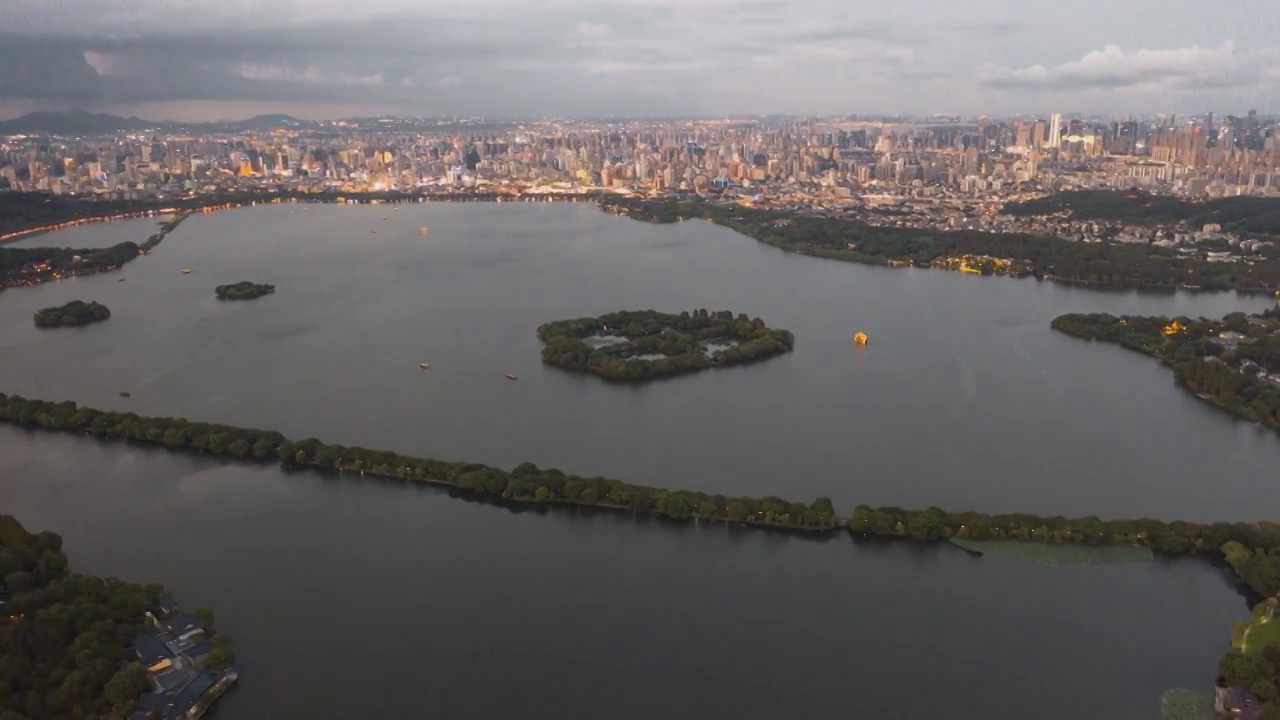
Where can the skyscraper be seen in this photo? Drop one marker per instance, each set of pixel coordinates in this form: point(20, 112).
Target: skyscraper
point(1055, 131)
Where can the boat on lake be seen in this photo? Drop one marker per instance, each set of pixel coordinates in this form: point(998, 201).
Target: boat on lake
point(425, 366)
point(512, 377)
point(186, 271)
point(860, 338)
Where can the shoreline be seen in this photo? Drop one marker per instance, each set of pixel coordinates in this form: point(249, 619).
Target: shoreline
point(1018, 269)
point(231, 201)
point(97, 219)
point(945, 264)
point(143, 248)
point(899, 530)
point(1208, 400)
point(216, 202)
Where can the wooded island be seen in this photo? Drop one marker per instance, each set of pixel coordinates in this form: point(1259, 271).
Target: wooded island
point(73, 314)
point(243, 290)
point(633, 346)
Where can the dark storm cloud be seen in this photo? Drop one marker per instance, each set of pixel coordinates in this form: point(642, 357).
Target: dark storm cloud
point(317, 62)
point(604, 56)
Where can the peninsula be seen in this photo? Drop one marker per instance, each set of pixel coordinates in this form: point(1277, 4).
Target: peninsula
point(243, 290)
point(75, 645)
point(24, 267)
point(1232, 363)
point(73, 314)
point(639, 345)
point(1109, 264)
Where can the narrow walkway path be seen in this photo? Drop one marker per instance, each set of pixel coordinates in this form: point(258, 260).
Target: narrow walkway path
point(1244, 639)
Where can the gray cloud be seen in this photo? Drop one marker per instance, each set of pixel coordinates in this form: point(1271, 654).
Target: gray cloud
point(1113, 68)
point(596, 57)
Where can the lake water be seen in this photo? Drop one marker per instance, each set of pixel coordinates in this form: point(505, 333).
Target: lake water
point(352, 599)
point(363, 600)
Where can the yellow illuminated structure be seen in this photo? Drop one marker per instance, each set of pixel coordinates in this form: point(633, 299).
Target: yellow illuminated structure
point(860, 338)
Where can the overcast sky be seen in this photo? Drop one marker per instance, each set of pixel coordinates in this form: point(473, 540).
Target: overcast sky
point(211, 59)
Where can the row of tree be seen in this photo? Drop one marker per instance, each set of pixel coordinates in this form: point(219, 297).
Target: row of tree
point(624, 339)
point(525, 484)
point(1251, 549)
point(72, 314)
point(1176, 537)
point(1233, 373)
point(528, 483)
point(1109, 264)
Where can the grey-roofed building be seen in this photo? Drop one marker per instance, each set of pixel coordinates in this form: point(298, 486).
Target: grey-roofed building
point(172, 657)
point(149, 649)
point(195, 652)
point(182, 623)
point(168, 605)
point(173, 679)
point(147, 704)
point(190, 695)
point(1236, 702)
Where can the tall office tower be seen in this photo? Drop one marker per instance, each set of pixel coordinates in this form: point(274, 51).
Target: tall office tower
point(1055, 131)
point(1038, 134)
point(1023, 138)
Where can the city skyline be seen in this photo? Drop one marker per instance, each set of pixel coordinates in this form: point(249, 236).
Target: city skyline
point(200, 59)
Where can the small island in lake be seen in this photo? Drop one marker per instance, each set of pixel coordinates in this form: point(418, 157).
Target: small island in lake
point(73, 314)
point(243, 290)
point(633, 346)
point(1233, 363)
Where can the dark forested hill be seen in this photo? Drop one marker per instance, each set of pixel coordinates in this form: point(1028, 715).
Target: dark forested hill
point(1238, 214)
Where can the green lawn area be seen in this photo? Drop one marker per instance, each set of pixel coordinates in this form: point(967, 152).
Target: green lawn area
point(1180, 704)
point(1263, 634)
point(1050, 554)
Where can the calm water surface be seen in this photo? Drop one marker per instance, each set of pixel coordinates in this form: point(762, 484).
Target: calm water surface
point(352, 599)
point(964, 399)
point(363, 600)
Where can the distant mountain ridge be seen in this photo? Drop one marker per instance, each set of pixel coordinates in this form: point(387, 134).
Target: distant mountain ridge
point(79, 122)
